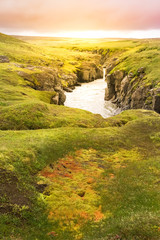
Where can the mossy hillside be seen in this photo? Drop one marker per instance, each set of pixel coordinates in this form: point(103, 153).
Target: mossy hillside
point(146, 56)
point(22, 95)
point(38, 115)
point(60, 58)
point(130, 115)
point(131, 54)
point(31, 75)
point(109, 175)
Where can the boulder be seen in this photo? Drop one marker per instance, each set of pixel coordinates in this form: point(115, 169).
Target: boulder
point(55, 99)
point(62, 98)
point(57, 88)
point(67, 89)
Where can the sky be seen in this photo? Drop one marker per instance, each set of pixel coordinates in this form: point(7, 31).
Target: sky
point(104, 18)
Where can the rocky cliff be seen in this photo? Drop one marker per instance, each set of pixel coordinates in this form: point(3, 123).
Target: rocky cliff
point(55, 81)
point(131, 91)
point(89, 72)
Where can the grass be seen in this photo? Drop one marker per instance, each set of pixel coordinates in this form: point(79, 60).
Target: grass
point(67, 174)
point(116, 169)
point(38, 115)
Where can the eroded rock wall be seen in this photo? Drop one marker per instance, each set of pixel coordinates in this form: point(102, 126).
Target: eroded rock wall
point(56, 82)
point(131, 91)
point(89, 72)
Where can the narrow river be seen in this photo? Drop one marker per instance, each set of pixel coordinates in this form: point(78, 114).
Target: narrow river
point(90, 97)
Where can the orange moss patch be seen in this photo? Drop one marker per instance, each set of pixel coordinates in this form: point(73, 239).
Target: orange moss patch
point(71, 195)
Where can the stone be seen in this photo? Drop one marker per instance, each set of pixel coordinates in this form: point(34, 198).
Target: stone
point(67, 89)
point(4, 59)
point(55, 99)
point(62, 98)
point(72, 87)
point(58, 89)
point(78, 84)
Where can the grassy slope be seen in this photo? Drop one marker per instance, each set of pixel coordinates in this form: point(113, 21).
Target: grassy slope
point(21, 106)
point(70, 182)
point(119, 174)
point(132, 54)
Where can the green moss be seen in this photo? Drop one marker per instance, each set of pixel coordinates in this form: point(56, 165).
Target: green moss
point(118, 176)
point(36, 115)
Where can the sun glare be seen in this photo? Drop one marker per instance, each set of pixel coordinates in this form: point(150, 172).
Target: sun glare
point(96, 34)
point(110, 34)
point(85, 34)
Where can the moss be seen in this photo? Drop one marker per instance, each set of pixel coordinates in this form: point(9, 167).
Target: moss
point(36, 115)
point(118, 176)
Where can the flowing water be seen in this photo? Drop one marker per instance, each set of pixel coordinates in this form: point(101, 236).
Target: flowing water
point(90, 97)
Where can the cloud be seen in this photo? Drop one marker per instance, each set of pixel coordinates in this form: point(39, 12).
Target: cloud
point(70, 15)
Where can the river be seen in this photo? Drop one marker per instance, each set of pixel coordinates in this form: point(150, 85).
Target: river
point(90, 97)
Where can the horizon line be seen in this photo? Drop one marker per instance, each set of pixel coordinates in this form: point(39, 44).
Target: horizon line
point(97, 34)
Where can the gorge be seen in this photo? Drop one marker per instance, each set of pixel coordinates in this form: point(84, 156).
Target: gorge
point(90, 97)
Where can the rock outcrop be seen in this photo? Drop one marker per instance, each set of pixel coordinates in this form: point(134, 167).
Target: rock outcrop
point(56, 81)
point(130, 91)
point(89, 72)
point(48, 81)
